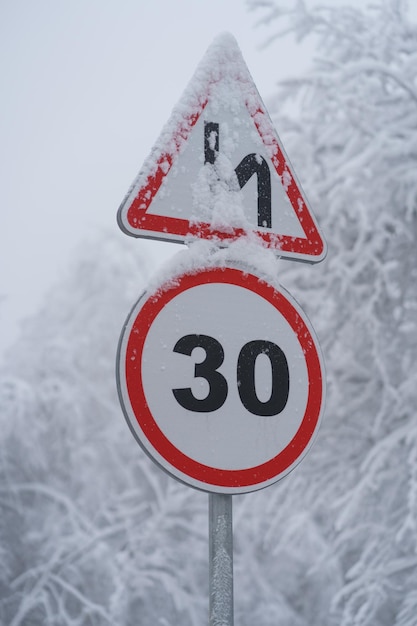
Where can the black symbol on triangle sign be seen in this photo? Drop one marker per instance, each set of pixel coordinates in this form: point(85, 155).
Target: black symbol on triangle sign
point(251, 164)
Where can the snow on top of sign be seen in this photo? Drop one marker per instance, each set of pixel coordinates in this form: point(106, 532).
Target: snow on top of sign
point(222, 63)
point(245, 253)
point(224, 53)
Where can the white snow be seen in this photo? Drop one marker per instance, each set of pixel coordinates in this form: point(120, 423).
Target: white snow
point(246, 253)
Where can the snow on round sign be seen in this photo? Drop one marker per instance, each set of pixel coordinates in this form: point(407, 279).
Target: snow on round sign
point(221, 379)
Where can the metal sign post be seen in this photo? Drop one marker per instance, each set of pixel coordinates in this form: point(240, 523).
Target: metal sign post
point(220, 560)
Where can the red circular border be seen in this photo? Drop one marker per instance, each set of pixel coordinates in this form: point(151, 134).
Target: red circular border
point(205, 474)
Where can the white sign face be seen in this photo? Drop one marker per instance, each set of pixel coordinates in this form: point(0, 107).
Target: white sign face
point(221, 380)
point(188, 192)
point(219, 171)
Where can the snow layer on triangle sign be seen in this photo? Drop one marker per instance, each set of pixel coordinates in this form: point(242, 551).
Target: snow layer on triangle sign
point(218, 170)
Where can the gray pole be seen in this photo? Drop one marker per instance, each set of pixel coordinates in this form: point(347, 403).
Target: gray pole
point(220, 559)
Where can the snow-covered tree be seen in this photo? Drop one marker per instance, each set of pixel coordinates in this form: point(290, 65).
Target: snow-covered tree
point(90, 531)
point(343, 527)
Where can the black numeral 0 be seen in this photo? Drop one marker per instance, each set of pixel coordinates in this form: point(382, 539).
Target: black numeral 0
point(246, 378)
point(246, 362)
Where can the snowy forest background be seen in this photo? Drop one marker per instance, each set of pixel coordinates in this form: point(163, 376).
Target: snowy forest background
point(92, 533)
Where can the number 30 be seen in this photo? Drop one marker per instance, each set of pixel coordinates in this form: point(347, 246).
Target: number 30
point(245, 376)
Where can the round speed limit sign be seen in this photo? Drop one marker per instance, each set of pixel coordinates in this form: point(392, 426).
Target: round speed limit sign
point(221, 379)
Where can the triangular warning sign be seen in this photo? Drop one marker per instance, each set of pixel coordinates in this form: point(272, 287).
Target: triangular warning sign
point(219, 171)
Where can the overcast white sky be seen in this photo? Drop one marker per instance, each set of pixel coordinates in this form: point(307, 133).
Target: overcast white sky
point(86, 87)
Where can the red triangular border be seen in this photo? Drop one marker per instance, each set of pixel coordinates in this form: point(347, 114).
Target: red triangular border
point(135, 219)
